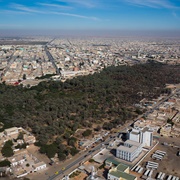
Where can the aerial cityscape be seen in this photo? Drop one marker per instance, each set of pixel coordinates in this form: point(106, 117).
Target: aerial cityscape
point(90, 90)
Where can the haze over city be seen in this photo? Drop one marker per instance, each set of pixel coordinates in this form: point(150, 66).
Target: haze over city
point(90, 17)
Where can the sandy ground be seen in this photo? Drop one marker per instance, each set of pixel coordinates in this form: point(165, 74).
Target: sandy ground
point(81, 176)
point(171, 162)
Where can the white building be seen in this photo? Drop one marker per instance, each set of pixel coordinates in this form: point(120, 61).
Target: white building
point(134, 135)
point(129, 151)
point(39, 166)
point(17, 160)
point(11, 131)
point(142, 135)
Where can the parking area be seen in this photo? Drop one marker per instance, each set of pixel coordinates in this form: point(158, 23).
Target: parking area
point(166, 165)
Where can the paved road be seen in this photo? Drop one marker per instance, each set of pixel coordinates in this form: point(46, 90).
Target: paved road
point(50, 42)
point(86, 155)
point(81, 159)
point(51, 57)
point(156, 106)
point(52, 60)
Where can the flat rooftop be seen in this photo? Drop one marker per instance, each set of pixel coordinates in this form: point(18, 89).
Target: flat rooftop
point(127, 149)
point(134, 143)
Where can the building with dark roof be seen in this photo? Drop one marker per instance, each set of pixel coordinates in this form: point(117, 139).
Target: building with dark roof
point(120, 172)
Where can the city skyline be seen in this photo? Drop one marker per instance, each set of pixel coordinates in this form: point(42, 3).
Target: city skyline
point(92, 15)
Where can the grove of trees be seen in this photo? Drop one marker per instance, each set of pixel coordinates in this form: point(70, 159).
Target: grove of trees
point(54, 110)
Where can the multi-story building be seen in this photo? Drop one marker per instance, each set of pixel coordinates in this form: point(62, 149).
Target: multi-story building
point(142, 135)
point(129, 151)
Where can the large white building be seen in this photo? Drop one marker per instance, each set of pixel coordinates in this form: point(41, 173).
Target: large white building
point(142, 135)
point(129, 151)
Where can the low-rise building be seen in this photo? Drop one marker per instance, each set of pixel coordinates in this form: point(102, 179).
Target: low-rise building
point(11, 131)
point(39, 166)
point(17, 160)
point(29, 139)
point(166, 130)
point(111, 162)
point(121, 172)
point(146, 123)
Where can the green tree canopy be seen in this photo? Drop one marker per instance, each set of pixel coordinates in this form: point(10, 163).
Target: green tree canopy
point(5, 163)
point(87, 132)
point(7, 150)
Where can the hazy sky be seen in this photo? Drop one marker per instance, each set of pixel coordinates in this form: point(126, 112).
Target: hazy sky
point(90, 14)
